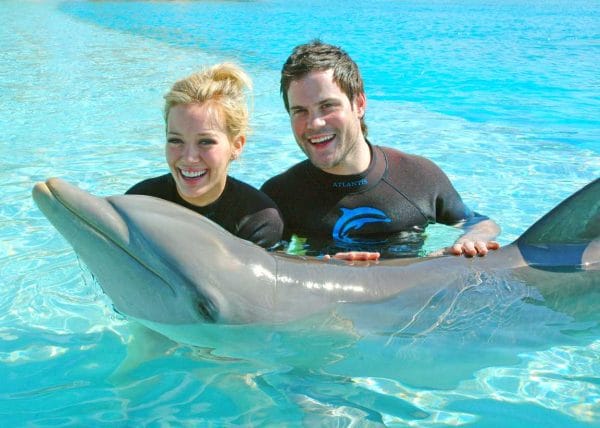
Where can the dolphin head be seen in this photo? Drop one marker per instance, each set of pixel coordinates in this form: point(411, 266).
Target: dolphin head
point(184, 271)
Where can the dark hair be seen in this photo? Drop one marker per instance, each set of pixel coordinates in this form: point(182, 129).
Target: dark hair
point(319, 56)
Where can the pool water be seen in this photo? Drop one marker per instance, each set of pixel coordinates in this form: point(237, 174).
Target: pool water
point(504, 97)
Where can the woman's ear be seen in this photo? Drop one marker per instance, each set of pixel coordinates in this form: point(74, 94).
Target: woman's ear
point(237, 145)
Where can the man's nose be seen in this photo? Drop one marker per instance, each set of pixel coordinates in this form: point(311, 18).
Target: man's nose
point(316, 121)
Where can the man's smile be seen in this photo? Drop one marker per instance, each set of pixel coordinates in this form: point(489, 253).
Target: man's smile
point(321, 139)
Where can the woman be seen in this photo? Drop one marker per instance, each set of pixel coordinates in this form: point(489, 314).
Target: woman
point(206, 119)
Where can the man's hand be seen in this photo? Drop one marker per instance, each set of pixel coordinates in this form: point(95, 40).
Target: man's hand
point(472, 248)
point(477, 239)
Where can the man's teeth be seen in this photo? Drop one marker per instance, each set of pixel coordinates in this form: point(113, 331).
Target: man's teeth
point(192, 174)
point(318, 140)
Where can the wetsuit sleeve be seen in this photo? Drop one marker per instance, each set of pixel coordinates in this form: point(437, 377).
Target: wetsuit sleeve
point(256, 217)
point(269, 188)
point(274, 188)
point(428, 189)
point(264, 227)
point(449, 206)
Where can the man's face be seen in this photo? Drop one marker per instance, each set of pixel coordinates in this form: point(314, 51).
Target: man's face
point(325, 123)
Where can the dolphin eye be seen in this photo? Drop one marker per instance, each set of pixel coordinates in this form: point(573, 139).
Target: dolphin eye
point(207, 309)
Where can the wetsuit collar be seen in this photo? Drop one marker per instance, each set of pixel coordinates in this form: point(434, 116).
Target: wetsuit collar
point(354, 183)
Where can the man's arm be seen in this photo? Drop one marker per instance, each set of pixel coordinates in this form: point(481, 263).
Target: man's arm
point(476, 241)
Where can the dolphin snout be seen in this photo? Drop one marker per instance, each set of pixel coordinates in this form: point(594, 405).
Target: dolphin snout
point(40, 191)
point(69, 207)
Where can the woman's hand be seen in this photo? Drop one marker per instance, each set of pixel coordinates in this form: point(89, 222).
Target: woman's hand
point(354, 256)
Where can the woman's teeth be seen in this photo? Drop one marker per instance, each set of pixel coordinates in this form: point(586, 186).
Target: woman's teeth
point(192, 174)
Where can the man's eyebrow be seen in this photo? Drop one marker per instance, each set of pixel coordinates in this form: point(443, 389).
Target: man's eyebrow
point(329, 100)
point(320, 102)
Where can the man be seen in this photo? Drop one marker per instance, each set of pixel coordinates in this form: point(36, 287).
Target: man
point(348, 189)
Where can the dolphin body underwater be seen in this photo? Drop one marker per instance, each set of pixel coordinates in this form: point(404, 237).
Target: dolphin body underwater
point(165, 265)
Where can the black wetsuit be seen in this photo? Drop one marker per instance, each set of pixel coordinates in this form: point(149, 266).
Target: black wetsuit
point(241, 209)
point(398, 193)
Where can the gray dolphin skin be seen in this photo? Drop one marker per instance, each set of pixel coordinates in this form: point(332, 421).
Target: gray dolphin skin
point(162, 263)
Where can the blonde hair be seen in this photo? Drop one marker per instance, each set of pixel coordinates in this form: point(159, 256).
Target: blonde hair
point(222, 84)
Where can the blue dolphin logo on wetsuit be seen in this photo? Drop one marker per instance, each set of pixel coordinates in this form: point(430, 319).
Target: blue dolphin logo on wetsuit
point(356, 218)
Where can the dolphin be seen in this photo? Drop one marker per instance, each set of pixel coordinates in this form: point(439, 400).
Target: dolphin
point(164, 264)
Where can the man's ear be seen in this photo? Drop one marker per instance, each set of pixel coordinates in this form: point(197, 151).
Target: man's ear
point(360, 103)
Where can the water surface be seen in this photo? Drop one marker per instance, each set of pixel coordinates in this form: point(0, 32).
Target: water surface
point(504, 97)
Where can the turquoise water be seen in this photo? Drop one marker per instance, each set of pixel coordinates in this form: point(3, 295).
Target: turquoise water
point(505, 97)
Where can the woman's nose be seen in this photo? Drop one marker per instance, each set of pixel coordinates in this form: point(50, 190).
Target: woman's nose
point(191, 152)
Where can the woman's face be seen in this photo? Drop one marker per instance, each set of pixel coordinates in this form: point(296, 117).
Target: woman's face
point(199, 150)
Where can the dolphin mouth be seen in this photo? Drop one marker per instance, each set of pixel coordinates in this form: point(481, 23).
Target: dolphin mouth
point(96, 213)
point(56, 195)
